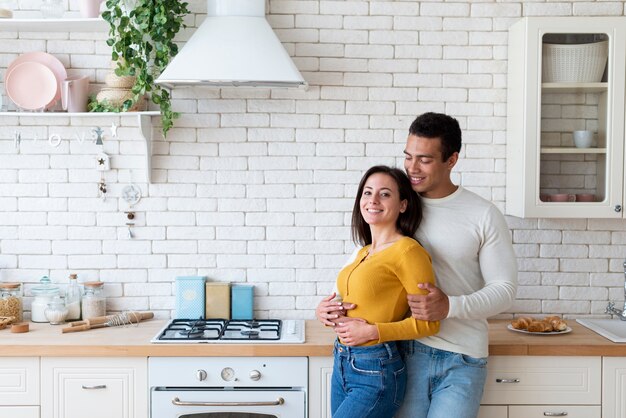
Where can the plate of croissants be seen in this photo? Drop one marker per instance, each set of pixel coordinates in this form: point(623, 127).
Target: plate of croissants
point(550, 325)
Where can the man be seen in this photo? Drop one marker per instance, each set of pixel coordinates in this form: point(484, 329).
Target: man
point(476, 271)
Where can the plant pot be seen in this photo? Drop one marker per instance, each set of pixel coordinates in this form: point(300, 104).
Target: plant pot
point(119, 82)
point(117, 97)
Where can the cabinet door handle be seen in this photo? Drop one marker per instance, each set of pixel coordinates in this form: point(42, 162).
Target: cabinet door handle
point(95, 387)
point(507, 380)
point(555, 414)
point(618, 208)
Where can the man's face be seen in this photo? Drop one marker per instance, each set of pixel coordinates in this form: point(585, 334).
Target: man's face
point(423, 162)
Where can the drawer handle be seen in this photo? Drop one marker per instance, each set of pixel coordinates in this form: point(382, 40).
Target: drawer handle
point(554, 414)
point(507, 380)
point(95, 387)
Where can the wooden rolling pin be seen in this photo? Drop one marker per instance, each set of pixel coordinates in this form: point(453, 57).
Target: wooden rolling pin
point(124, 318)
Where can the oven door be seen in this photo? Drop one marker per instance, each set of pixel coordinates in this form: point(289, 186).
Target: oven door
point(227, 403)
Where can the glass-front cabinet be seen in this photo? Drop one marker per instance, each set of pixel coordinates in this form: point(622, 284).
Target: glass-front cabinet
point(565, 117)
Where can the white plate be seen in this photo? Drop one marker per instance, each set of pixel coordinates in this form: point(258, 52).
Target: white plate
point(523, 331)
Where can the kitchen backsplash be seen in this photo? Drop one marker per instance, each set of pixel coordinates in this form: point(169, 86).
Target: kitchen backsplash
point(256, 185)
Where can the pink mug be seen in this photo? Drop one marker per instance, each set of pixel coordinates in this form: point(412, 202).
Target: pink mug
point(585, 197)
point(562, 197)
point(75, 93)
point(90, 8)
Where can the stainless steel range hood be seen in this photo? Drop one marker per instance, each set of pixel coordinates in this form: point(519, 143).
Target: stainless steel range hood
point(234, 46)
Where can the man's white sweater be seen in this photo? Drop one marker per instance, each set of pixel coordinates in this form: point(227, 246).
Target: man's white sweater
point(475, 265)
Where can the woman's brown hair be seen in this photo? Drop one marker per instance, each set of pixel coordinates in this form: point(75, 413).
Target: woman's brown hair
point(407, 222)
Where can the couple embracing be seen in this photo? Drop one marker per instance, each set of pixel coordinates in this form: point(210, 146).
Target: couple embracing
point(435, 261)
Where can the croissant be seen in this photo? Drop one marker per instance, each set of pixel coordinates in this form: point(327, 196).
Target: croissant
point(557, 323)
point(522, 322)
point(539, 326)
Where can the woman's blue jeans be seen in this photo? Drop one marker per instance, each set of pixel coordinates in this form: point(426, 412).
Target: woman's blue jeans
point(367, 382)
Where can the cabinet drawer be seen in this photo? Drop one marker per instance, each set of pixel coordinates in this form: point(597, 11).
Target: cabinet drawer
point(567, 411)
point(19, 411)
point(19, 381)
point(543, 380)
point(493, 411)
point(107, 388)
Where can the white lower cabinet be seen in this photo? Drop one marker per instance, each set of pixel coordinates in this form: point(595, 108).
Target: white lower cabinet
point(568, 411)
point(614, 387)
point(19, 387)
point(19, 411)
point(94, 386)
point(493, 411)
point(320, 374)
point(553, 386)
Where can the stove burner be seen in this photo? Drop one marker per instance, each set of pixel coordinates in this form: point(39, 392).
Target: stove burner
point(251, 324)
point(252, 333)
point(191, 333)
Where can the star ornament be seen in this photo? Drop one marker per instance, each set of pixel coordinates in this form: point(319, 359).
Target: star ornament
point(101, 161)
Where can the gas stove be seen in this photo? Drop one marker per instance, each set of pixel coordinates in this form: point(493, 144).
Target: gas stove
point(224, 331)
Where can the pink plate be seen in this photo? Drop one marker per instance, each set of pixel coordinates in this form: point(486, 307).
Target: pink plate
point(49, 61)
point(31, 85)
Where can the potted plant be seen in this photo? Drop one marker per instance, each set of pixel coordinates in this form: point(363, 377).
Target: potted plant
point(141, 36)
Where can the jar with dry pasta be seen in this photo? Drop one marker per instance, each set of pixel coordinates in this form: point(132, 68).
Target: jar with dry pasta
point(11, 300)
point(94, 302)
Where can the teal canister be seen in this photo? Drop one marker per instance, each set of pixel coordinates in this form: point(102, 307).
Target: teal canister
point(190, 297)
point(242, 301)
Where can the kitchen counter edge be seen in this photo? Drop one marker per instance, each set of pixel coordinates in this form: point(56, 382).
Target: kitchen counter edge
point(46, 340)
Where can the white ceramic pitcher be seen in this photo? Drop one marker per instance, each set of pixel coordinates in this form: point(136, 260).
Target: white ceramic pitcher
point(74, 93)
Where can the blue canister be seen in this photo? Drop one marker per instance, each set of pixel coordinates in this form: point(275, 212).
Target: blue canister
point(190, 297)
point(242, 301)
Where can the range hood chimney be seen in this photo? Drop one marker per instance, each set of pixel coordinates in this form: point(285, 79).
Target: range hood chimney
point(234, 46)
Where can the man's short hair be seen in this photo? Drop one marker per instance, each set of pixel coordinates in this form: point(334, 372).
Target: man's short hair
point(438, 125)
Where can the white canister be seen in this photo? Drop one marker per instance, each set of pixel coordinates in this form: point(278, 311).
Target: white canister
point(43, 296)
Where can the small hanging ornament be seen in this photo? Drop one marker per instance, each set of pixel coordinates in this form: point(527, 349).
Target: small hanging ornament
point(103, 162)
point(98, 133)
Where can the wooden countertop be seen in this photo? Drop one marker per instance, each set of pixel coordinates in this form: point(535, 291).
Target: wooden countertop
point(134, 341)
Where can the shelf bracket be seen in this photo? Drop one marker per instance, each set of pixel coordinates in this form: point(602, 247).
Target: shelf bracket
point(145, 126)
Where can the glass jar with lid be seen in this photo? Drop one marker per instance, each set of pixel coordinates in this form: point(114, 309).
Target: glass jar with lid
point(11, 300)
point(94, 302)
point(43, 295)
point(56, 312)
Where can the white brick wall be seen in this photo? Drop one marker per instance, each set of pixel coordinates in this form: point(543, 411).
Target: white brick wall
point(256, 185)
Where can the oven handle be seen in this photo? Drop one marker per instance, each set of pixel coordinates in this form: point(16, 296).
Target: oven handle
point(177, 401)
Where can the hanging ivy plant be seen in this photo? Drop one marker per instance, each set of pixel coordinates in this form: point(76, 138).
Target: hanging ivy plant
point(141, 36)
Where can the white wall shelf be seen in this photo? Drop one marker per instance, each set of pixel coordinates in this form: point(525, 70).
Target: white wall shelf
point(564, 150)
point(574, 87)
point(53, 25)
point(144, 123)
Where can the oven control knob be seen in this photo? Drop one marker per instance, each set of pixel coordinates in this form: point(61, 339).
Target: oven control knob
point(201, 375)
point(228, 374)
point(255, 375)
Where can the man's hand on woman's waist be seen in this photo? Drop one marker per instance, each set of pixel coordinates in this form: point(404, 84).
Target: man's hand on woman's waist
point(433, 306)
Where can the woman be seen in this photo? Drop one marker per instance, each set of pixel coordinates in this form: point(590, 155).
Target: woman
point(369, 377)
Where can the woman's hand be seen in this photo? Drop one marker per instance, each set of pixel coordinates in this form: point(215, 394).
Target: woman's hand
point(356, 332)
point(328, 310)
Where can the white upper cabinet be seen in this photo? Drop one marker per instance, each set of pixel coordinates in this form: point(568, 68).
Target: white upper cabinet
point(566, 74)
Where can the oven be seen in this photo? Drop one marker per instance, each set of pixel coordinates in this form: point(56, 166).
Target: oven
point(229, 387)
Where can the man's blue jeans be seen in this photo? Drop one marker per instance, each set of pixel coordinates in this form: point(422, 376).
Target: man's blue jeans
point(441, 384)
point(367, 382)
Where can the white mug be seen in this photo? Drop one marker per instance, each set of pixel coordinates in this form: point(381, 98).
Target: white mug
point(583, 139)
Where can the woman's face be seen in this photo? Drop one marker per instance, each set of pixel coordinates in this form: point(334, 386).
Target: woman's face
point(380, 201)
